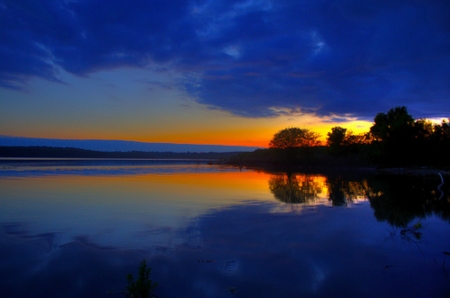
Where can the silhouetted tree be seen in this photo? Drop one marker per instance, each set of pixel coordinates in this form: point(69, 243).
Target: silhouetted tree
point(395, 135)
point(395, 139)
point(390, 126)
point(440, 143)
point(343, 142)
point(337, 139)
point(337, 136)
point(441, 133)
point(294, 137)
point(294, 142)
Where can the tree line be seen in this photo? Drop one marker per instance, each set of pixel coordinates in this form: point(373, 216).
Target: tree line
point(394, 139)
point(67, 152)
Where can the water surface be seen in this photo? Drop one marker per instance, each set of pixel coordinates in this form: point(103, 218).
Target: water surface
point(76, 228)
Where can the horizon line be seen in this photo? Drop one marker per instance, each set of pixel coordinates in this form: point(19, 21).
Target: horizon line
point(109, 145)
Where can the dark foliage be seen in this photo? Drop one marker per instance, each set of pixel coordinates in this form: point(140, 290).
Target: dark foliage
point(58, 152)
point(399, 140)
point(294, 137)
point(396, 139)
point(401, 199)
point(143, 286)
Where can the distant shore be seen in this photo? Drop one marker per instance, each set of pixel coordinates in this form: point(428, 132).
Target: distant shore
point(325, 168)
point(223, 158)
point(68, 152)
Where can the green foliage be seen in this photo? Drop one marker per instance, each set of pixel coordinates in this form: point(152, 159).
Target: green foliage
point(143, 286)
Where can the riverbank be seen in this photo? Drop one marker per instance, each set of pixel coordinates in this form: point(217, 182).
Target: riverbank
point(60, 152)
point(319, 160)
point(334, 168)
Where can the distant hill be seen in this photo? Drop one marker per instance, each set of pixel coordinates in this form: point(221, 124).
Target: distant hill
point(122, 146)
point(67, 152)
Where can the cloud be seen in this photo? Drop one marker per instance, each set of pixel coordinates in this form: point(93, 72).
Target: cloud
point(251, 58)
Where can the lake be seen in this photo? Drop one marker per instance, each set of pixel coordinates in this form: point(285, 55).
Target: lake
point(76, 228)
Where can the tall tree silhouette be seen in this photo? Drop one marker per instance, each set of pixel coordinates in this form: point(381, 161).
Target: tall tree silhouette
point(395, 134)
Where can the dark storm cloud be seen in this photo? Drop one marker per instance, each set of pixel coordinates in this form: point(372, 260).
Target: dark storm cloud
point(253, 58)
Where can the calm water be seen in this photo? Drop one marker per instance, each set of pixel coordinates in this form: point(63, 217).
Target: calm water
point(76, 228)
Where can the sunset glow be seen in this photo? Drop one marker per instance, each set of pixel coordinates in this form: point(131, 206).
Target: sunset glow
point(216, 72)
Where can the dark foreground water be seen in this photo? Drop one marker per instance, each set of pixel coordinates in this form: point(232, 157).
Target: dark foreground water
point(77, 228)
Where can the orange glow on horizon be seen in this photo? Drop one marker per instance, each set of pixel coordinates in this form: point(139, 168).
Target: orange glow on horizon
point(233, 131)
point(255, 136)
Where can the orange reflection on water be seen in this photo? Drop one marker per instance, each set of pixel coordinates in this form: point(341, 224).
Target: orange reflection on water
point(129, 202)
point(134, 195)
point(121, 208)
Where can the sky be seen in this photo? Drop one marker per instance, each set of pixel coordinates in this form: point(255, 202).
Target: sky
point(217, 72)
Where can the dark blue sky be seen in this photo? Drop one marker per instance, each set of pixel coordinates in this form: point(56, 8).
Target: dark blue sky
point(253, 59)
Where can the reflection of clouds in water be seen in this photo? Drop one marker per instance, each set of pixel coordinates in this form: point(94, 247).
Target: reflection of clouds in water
point(258, 248)
point(136, 211)
point(207, 287)
point(243, 248)
point(319, 276)
point(155, 240)
point(263, 248)
point(231, 266)
point(77, 269)
point(191, 236)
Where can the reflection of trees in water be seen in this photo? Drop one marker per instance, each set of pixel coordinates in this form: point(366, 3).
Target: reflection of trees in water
point(342, 192)
point(395, 199)
point(296, 188)
point(400, 199)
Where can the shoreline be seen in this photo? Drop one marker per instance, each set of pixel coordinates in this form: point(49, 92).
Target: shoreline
point(327, 169)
